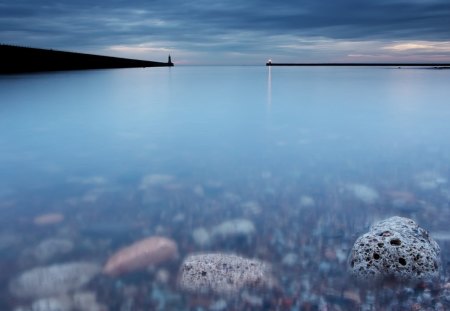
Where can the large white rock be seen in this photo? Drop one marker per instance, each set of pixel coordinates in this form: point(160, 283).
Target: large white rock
point(53, 280)
point(223, 274)
point(395, 248)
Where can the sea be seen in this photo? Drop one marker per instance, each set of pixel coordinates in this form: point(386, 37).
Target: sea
point(283, 165)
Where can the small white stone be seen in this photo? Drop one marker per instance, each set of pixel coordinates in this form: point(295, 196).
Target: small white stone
point(201, 237)
point(429, 180)
point(307, 201)
point(290, 259)
point(253, 300)
point(51, 248)
point(153, 180)
point(234, 227)
point(162, 276)
point(219, 305)
point(198, 190)
point(364, 193)
point(62, 303)
point(251, 207)
point(86, 301)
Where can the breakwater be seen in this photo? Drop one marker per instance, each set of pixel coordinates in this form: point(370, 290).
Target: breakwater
point(16, 59)
point(437, 65)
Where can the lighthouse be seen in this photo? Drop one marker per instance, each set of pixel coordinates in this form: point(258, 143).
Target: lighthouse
point(169, 61)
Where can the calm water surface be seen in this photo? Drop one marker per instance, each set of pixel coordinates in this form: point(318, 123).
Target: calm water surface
point(309, 157)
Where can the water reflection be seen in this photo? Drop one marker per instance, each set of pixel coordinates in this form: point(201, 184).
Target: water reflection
point(269, 87)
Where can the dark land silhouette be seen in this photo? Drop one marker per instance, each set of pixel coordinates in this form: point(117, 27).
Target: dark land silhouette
point(16, 59)
point(432, 65)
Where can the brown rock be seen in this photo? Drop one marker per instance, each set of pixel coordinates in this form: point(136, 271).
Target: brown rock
point(48, 219)
point(139, 255)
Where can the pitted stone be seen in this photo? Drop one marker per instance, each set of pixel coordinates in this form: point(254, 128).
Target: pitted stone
point(223, 274)
point(395, 248)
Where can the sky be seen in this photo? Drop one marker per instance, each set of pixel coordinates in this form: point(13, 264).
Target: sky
point(234, 32)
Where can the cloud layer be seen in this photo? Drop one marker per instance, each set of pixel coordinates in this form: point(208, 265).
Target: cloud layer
point(242, 32)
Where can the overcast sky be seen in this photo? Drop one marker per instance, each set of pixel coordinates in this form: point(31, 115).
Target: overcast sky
point(234, 31)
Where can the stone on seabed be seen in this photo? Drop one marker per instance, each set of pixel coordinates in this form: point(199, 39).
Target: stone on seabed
point(52, 304)
point(48, 219)
point(364, 193)
point(201, 237)
point(53, 280)
point(234, 227)
point(223, 274)
point(53, 247)
point(395, 248)
point(139, 255)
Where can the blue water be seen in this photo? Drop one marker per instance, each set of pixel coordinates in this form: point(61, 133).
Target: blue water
point(294, 142)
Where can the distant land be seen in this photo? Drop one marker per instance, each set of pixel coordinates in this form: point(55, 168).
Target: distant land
point(431, 65)
point(17, 59)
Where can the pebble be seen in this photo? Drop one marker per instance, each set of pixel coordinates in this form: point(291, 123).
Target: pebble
point(290, 259)
point(48, 219)
point(53, 280)
point(52, 304)
point(201, 237)
point(429, 180)
point(364, 193)
point(141, 254)
point(51, 248)
point(307, 201)
point(219, 305)
point(153, 180)
point(234, 227)
point(253, 300)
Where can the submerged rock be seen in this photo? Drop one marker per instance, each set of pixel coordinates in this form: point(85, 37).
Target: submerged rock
point(429, 180)
point(307, 201)
point(50, 248)
point(395, 248)
point(364, 193)
point(153, 180)
point(223, 274)
point(234, 227)
point(80, 301)
point(139, 255)
point(201, 237)
point(62, 303)
point(48, 219)
point(251, 208)
point(290, 259)
point(86, 301)
point(53, 280)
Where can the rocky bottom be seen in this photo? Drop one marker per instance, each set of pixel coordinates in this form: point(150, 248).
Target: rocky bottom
point(305, 237)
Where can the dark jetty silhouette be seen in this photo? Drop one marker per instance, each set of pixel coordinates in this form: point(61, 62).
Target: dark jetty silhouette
point(17, 59)
point(433, 65)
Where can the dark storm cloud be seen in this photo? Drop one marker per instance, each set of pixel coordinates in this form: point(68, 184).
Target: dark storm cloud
point(218, 25)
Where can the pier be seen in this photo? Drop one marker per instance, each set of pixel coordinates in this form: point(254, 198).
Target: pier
point(16, 59)
point(433, 65)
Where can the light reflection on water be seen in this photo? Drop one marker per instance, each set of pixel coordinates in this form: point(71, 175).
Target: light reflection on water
point(310, 156)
